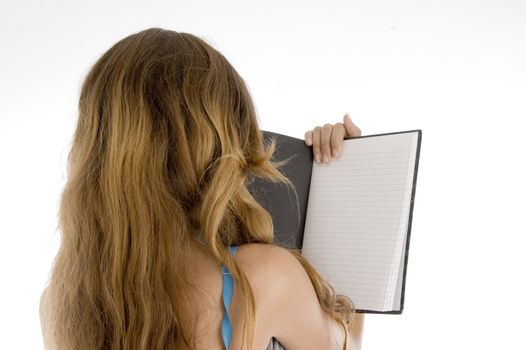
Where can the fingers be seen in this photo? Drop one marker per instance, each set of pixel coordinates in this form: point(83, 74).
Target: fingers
point(308, 138)
point(338, 133)
point(316, 149)
point(326, 132)
point(327, 141)
point(351, 130)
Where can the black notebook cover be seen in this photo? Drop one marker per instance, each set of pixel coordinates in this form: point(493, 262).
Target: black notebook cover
point(278, 199)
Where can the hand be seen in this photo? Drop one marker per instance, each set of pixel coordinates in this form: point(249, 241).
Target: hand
point(328, 140)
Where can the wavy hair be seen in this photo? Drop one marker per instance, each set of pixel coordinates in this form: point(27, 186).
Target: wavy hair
point(165, 143)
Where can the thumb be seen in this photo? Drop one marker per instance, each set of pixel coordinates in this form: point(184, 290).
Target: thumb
point(351, 130)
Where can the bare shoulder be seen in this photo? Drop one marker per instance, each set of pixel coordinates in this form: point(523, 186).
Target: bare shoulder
point(253, 254)
point(289, 304)
point(267, 268)
point(266, 264)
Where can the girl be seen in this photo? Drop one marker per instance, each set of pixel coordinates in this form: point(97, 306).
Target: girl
point(162, 245)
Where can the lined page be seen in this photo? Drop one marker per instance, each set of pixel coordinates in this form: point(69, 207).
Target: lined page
point(357, 218)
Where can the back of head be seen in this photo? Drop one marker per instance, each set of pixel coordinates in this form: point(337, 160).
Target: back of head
point(166, 139)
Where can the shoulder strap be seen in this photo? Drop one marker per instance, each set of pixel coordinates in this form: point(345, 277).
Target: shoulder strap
point(233, 249)
point(228, 291)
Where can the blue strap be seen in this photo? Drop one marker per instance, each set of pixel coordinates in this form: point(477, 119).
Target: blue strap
point(228, 291)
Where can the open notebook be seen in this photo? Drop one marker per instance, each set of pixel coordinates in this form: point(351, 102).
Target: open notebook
point(352, 217)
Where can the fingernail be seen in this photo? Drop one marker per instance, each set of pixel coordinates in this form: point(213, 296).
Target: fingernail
point(335, 153)
point(325, 158)
point(317, 158)
point(347, 117)
point(309, 142)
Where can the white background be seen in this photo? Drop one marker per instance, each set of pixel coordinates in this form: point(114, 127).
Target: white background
point(455, 69)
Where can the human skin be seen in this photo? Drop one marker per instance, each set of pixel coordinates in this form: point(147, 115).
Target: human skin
point(327, 141)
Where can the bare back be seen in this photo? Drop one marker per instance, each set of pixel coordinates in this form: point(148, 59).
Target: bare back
point(286, 304)
point(205, 308)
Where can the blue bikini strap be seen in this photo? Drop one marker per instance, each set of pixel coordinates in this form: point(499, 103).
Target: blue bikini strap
point(228, 291)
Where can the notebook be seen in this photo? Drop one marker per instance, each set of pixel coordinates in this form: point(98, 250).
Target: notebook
point(352, 216)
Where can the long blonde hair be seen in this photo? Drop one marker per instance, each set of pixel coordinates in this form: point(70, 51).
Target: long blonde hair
point(166, 140)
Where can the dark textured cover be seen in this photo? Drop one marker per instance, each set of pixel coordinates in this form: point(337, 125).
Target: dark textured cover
point(279, 199)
